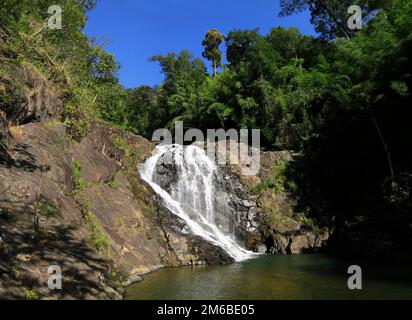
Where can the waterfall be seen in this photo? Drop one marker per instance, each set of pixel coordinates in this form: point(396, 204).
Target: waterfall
point(195, 196)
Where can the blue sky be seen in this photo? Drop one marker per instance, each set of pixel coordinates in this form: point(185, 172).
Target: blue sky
point(135, 30)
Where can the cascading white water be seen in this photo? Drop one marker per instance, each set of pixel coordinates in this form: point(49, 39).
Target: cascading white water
point(193, 196)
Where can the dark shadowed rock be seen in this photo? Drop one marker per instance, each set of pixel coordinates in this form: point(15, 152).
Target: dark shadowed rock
point(166, 171)
point(4, 130)
point(244, 209)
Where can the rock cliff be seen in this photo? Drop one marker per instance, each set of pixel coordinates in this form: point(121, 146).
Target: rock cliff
point(82, 206)
point(280, 229)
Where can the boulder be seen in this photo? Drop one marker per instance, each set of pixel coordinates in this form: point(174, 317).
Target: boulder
point(243, 208)
point(299, 243)
point(280, 244)
point(166, 170)
point(286, 226)
point(132, 279)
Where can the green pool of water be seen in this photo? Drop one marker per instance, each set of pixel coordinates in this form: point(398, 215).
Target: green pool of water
point(275, 277)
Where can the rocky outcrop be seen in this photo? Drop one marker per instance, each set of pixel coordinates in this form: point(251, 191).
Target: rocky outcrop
point(166, 171)
point(281, 229)
point(288, 236)
point(243, 207)
point(185, 248)
point(82, 206)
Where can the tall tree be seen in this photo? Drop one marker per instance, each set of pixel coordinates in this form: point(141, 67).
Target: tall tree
point(239, 44)
point(330, 16)
point(212, 41)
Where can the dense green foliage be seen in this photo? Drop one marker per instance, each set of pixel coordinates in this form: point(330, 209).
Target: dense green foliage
point(330, 17)
point(65, 58)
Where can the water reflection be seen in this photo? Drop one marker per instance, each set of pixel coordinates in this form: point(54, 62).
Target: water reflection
point(270, 277)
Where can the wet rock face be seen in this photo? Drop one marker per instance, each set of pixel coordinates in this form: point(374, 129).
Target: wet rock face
point(166, 171)
point(243, 208)
point(235, 212)
point(207, 253)
point(187, 249)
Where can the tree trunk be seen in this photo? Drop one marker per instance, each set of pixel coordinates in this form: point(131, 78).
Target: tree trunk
point(215, 68)
point(385, 146)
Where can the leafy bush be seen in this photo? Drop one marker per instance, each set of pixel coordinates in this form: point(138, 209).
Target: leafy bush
point(47, 208)
point(112, 183)
point(79, 183)
point(98, 239)
point(31, 295)
point(278, 180)
point(123, 144)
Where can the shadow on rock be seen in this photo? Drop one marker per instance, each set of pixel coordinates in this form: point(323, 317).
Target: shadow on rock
point(19, 157)
point(25, 258)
